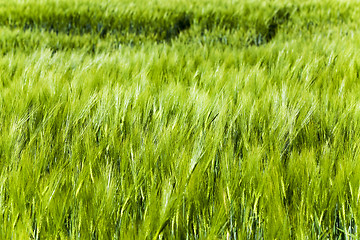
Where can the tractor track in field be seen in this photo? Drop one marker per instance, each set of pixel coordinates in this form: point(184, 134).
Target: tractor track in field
point(96, 30)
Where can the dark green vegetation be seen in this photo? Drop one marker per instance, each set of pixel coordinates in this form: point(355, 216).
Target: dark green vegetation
point(179, 121)
point(92, 26)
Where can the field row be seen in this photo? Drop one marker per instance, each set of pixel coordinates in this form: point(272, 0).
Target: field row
point(240, 25)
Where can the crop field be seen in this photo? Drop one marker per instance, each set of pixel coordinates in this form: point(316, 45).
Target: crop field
point(178, 119)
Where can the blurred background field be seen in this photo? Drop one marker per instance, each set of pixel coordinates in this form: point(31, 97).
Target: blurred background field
point(179, 119)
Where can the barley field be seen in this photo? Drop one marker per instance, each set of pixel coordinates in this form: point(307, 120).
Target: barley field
point(209, 119)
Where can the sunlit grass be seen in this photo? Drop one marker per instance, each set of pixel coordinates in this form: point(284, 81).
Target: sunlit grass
point(224, 129)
